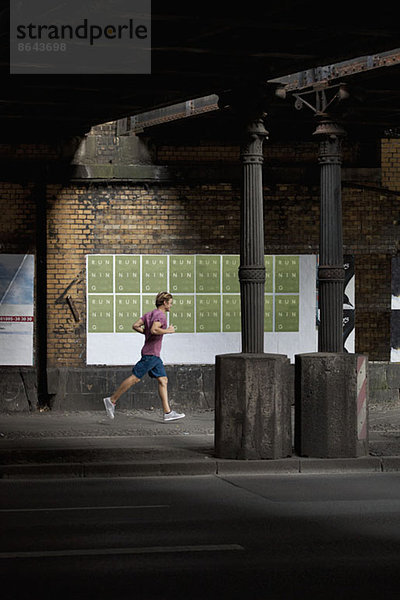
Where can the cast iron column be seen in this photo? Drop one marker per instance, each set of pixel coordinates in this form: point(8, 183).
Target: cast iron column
point(252, 265)
point(331, 270)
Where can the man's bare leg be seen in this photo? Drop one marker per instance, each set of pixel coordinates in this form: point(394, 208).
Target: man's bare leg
point(124, 387)
point(163, 393)
point(169, 415)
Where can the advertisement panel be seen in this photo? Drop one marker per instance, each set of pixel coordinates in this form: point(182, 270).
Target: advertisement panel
point(206, 310)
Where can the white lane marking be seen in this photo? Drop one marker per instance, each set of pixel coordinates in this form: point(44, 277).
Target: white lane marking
point(61, 509)
point(117, 551)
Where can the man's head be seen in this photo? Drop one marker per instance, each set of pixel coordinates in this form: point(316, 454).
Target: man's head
point(164, 299)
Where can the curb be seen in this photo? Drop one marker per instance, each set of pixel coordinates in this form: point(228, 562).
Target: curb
point(288, 466)
point(309, 466)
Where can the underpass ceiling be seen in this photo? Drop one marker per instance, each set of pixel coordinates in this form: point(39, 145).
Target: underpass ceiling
point(205, 49)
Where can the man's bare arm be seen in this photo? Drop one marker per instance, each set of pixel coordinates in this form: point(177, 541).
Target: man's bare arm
point(139, 326)
point(156, 329)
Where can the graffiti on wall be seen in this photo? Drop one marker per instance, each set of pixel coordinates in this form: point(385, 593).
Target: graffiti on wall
point(395, 312)
point(349, 304)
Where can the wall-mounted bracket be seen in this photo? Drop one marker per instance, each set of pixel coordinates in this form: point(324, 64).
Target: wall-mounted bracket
point(320, 98)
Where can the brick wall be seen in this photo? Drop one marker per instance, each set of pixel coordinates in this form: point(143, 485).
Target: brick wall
point(202, 215)
point(18, 222)
point(85, 219)
point(274, 153)
point(391, 163)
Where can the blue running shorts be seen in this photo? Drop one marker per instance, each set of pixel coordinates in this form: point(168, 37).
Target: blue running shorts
point(153, 365)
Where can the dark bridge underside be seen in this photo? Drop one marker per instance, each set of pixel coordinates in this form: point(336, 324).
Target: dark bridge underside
point(205, 49)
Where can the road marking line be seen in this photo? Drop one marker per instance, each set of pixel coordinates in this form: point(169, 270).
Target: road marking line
point(61, 509)
point(116, 551)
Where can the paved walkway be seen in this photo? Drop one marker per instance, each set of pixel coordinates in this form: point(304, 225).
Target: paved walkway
point(88, 444)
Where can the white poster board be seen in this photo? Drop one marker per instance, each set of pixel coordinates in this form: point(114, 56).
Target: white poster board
point(16, 309)
point(206, 309)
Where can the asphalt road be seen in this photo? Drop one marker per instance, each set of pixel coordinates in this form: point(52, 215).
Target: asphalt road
point(259, 538)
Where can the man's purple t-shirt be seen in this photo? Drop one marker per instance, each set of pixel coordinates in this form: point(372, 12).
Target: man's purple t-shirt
point(152, 344)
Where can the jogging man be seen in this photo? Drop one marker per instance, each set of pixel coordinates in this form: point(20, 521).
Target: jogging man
point(153, 325)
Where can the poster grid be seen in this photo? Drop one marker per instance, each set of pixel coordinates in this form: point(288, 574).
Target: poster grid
point(206, 292)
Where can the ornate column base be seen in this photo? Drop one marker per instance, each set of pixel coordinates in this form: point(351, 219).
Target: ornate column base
point(252, 406)
point(331, 405)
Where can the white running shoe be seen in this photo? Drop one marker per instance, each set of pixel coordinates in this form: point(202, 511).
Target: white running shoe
point(173, 416)
point(110, 407)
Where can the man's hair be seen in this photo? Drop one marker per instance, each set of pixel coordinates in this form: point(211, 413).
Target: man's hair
point(162, 297)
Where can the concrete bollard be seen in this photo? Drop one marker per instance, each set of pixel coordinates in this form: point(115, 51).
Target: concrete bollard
point(331, 405)
point(252, 406)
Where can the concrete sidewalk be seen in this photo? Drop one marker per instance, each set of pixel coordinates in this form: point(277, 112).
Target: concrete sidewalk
point(139, 443)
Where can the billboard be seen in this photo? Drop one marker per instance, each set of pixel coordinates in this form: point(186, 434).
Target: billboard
point(16, 309)
point(206, 309)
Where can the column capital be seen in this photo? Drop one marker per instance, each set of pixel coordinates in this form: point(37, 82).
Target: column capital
point(329, 127)
point(330, 134)
point(255, 129)
point(251, 150)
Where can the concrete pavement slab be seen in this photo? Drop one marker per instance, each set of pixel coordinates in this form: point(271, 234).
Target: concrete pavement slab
point(139, 443)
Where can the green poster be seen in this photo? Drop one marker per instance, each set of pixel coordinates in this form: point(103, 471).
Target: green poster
point(208, 313)
point(286, 274)
point(181, 274)
point(231, 313)
point(127, 274)
point(182, 313)
point(148, 304)
point(100, 274)
point(101, 314)
point(230, 275)
point(127, 311)
point(208, 273)
point(268, 313)
point(286, 313)
point(205, 287)
point(269, 277)
point(154, 274)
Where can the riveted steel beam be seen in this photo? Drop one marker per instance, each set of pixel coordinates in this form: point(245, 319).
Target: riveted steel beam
point(319, 77)
point(175, 112)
